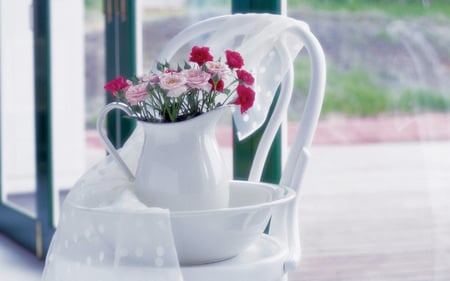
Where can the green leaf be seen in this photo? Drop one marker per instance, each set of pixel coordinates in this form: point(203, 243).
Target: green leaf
point(149, 88)
point(160, 66)
point(134, 79)
point(216, 79)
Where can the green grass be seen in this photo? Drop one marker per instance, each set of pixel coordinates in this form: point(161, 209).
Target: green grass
point(358, 91)
point(351, 93)
point(397, 8)
point(421, 100)
point(355, 93)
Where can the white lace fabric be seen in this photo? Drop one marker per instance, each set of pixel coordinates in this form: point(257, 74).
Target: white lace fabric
point(106, 233)
point(268, 44)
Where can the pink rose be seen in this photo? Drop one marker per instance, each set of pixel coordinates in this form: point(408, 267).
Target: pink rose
point(234, 59)
point(197, 79)
point(174, 83)
point(215, 67)
point(245, 77)
point(245, 98)
point(200, 55)
point(136, 93)
point(150, 77)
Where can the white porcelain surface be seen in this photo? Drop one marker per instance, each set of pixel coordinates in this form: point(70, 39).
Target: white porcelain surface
point(219, 234)
point(181, 167)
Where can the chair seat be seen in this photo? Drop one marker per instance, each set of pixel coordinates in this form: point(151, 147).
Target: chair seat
point(262, 261)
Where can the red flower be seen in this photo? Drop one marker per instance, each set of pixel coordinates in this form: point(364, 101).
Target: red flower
point(245, 77)
point(234, 59)
point(116, 85)
point(219, 86)
point(200, 55)
point(245, 98)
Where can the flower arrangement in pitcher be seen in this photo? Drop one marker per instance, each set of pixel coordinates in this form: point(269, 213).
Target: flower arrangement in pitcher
point(176, 94)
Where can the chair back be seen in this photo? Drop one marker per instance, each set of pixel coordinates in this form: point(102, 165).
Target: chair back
point(269, 45)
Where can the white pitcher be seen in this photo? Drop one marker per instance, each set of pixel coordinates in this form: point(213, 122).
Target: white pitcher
point(181, 167)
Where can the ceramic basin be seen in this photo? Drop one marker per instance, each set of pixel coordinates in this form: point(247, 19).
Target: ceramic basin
point(218, 234)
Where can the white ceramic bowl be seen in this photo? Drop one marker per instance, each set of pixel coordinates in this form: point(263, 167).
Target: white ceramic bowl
point(214, 235)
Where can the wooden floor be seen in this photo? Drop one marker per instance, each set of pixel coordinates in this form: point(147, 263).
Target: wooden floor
point(376, 212)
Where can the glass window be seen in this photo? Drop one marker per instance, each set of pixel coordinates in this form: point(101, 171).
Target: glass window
point(18, 170)
point(68, 95)
point(375, 201)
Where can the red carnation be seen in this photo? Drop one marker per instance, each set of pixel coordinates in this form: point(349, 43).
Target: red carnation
point(234, 59)
point(200, 55)
point(245, 98)
point(116, 85)
point(245, 77)
point(219, 86)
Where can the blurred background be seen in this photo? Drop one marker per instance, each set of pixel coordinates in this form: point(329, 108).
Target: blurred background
point(376, 199)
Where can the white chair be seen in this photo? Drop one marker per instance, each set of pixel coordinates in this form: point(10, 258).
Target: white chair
point(269, 44)
point(106, 233)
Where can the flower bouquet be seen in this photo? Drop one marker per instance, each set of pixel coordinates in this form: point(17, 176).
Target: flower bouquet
point(177, 109)
point(200, 85)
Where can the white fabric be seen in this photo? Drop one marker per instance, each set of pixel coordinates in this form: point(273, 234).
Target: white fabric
point(259, 50)
point(257, 37)
point(105, 233)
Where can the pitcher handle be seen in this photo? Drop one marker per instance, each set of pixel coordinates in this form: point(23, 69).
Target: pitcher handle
point(108, 145)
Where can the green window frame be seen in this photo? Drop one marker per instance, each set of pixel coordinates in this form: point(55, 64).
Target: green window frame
point(244, 151)
point(35, 232)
